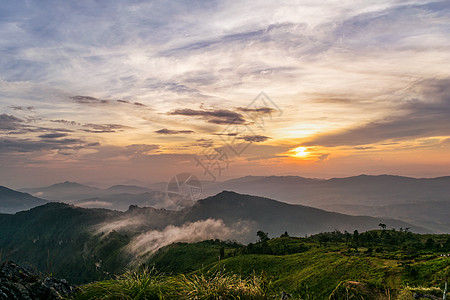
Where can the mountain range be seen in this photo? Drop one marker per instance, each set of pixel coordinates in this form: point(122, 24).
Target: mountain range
point(116, 197)
point(75, 191)
point(88, 244)
point(420, 201)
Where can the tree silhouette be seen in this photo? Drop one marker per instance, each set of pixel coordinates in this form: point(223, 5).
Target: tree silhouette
point(263, 236)
point(383, 226)
point(285, 234)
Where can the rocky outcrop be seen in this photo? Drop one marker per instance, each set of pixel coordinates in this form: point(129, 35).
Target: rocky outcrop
point(18, 283)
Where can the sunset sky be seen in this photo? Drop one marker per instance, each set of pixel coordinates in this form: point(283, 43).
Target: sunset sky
point(110, 91)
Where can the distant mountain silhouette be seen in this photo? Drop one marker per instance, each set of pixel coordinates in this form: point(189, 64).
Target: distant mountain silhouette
point(12, 201)
point(354, 195)
point(64, 191)
point(117, 197)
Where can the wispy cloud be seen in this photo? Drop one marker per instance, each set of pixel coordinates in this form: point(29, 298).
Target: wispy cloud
point(219, 116)
point(53, 135)
point(22, 108)
point(169, 131)
point(425, 116)
point(14, 145)
point(105, 128)
point(254, 138)
point(88, 100)
point(132, 103)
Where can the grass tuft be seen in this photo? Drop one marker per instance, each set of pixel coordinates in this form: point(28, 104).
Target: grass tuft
point(145, 284)
point(148, 284)
point(220, 285)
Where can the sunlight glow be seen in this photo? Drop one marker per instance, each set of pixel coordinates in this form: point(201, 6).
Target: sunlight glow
point(300, 151)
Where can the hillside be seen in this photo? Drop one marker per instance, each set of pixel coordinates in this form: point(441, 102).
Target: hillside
point(12, 201)
point(381, 264)
point(276, 217)
point(56, 238)
point(86, 244)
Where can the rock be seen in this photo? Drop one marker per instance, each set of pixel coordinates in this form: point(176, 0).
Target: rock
point(18, 283)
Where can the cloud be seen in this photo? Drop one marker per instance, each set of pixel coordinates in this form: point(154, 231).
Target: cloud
point(88, 100)
point(105, 128)
point(95, 128)
point(94, 204)
point(260, 110)
point(53, 135)
point(9, 122)
point(173, 87)
point(425, 116)
point(323, 157)
point(218, 116)
point(142, 148)
point(131, 103)
point(168, 131)
point(22, 108)
point(13, 145)
point(254, 138)
point(65, 122)
point(205, 143)
point(14, 125)
point(151, 241)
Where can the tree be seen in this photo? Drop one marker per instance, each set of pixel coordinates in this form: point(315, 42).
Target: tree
point(383, 226)
point(222, 253)
point(285, 234)
point(263, 236)
point(430, 244)
point(356, 236)
point(446, 245)
point(347, 237)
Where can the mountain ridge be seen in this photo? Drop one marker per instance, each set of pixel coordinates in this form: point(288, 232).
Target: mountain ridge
point(12, 201)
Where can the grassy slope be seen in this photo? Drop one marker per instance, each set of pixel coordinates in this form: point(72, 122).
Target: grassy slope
point(315, 273)
point(184, 257)
point(57, 239)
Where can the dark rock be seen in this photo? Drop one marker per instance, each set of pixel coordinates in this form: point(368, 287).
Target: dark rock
point(425, 296)
point(19, 283)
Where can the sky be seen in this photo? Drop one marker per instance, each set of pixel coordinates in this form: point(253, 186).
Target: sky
point(107, 92)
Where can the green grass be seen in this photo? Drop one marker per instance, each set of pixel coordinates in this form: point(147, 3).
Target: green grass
point(145, 284)
point(148, 284)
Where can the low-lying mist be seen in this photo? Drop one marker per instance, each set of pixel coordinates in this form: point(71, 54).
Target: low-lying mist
point(149, 242)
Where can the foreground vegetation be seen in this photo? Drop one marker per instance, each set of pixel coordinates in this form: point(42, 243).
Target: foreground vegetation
point(147, 284)
point(383, 264)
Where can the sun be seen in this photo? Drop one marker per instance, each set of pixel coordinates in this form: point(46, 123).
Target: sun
point(300, 151)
